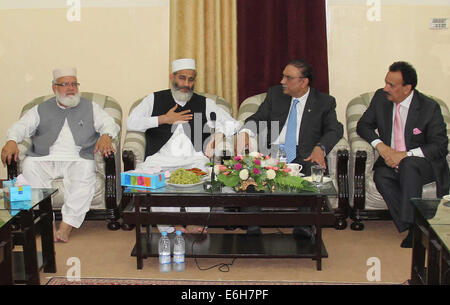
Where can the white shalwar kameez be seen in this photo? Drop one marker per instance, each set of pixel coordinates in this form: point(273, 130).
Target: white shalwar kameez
point(63, 161)
point(178, 152)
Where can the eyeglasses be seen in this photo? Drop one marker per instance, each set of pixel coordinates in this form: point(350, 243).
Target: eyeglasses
point(66, 84)
point(292, 77)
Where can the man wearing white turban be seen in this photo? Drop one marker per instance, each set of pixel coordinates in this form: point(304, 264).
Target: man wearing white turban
point(66, 131)
point(169, 119)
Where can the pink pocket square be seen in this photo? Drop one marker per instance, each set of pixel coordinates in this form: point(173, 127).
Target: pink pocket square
point(417, 131)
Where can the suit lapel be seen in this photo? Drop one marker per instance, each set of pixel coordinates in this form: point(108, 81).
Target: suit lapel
point(286, 105)
point(309, 105)
point(411, 120)
point(388, 122)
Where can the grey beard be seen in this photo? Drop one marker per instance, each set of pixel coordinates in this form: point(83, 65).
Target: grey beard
point(180, 96)
point(68, 101)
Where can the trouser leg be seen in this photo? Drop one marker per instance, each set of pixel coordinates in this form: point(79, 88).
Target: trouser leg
point(398, 187)
point(39, 174)
point(414, 173)
point(79, 189)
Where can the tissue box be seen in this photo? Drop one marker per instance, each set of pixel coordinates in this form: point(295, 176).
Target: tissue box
point(16, 206)
point(138, 180)
point(16, 193)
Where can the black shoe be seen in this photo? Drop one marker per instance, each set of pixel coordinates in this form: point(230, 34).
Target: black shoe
point(254, 231)
point(303, 232)
point(408, 241)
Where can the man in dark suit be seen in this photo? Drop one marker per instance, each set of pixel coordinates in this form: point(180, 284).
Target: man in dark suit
point(317, 127)
point(411, 141)
point(305, 117)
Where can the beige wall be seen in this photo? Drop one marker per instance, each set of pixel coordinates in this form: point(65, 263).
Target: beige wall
point(121, 48)
point(119, 51)
point(360, 51)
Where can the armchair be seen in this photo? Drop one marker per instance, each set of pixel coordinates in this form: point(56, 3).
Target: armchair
point(337, 160)
point(366, 201)
point(104, 205)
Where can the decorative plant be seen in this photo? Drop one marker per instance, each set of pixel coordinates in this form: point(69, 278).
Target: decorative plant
point(261, 172)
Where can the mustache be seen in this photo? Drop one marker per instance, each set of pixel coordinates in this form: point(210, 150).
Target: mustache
point(176, 87)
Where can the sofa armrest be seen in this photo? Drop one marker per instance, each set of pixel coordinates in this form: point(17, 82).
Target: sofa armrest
point(135, 142)
point(12, 169)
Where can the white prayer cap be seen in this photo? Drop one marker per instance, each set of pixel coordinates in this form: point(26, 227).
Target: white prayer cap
point(65, 71)
point(183, 64)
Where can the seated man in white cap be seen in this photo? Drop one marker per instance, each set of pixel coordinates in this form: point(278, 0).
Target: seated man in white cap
point(174, 139)
point(66, 131)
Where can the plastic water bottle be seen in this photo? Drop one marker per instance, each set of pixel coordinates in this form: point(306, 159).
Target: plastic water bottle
point(281, 154)
point(164, 252)
point(179, 250)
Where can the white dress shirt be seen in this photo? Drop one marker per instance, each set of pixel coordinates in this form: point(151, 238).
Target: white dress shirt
point(64, 148)
point(404, 108)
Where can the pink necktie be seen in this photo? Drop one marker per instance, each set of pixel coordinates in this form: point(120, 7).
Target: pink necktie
point(399, 139)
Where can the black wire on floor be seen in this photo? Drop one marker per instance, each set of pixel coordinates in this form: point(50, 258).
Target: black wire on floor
point(222, 267)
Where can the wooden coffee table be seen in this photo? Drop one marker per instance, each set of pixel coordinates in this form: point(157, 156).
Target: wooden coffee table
point(278, 209)
point(431, 257)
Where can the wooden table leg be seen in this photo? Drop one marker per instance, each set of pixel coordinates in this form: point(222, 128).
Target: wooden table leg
point(48, 245)
point(29, 248)
point(6, 265)
point(318, 237)
point(139, 259)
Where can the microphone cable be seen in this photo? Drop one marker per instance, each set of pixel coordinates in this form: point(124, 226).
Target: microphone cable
point(223, 267)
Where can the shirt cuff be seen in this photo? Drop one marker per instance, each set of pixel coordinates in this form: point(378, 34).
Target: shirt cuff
point(248, 131)
point(375, 142)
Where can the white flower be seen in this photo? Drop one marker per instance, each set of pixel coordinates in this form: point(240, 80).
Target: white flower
point(243, 174)
point(271, 174)
point(254, 154)
point(271, 162)
point(216, 169)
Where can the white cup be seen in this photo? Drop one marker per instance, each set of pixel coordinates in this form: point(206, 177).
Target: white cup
point(295, 169)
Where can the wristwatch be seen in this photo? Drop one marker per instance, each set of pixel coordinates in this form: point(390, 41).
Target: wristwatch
point(321, 146)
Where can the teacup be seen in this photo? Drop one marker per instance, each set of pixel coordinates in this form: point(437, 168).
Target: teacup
point(295, 168)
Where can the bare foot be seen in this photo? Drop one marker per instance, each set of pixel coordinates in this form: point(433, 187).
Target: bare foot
point(54, 233)
point(196, 229)
point(64, 231)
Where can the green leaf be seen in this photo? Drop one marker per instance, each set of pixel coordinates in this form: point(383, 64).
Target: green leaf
point(230, 180)
point(293, 182)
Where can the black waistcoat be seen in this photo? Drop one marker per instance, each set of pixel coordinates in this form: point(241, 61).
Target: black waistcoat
point(163, 102)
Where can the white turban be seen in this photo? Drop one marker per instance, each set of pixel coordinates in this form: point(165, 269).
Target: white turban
point(183, 64)
point(66, 71)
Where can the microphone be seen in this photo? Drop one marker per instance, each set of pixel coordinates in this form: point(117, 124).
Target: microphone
point(212, 117)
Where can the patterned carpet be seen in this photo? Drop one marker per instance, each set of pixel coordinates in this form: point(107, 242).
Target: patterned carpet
point(113, 281)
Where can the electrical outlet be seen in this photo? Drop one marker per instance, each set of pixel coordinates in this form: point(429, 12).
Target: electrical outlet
point(439, 23)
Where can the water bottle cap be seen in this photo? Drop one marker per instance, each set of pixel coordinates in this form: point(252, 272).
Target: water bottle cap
point(164, 233)
point(179, 232)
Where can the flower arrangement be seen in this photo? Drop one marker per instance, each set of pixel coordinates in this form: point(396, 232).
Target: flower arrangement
point(259, 172)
